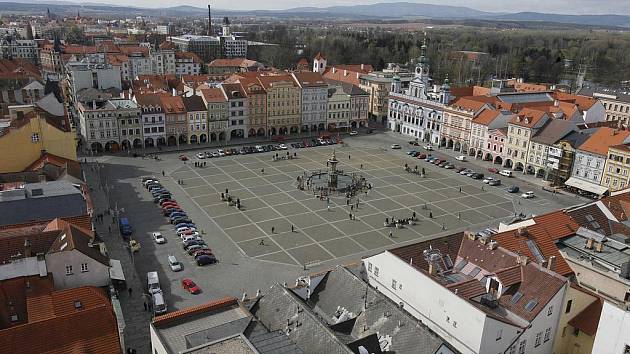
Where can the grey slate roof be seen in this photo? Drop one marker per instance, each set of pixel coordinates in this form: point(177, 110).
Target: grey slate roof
point(373, 313)
point(577, 138)
point(280, 310)
point(623, 96)
point(57, 199)
point(553, 131)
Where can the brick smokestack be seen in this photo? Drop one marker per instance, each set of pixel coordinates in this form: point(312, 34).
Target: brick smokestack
point(209, 21)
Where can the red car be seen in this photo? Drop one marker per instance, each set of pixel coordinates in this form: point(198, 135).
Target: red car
point(422, 156)
point(200, 252)
point(190, 286)
point(169, 205)
point(183, 157)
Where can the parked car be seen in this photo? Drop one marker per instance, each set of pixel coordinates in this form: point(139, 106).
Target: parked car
point(282, 147)
point(471, 173)
point(205, 259)
point(461, 158)
point(180, 220)
point(466, 171)
point(449, 166)
point(201, 155)
point(428, 147)
point(443, 164)
point(354, 132)
point(194, 248)
point(259, 148)
point(201, 253)
point(422, 156)
point(412, 152)
point(183, 157)
point(493, 170)
point(495, 182)
point(185, 229)
point(395, 146)
point(477, 176)
point(487, 180)
point(134, 246)
point(158, 238)
point(184, 224)
point(220, 152)
point(528, 195)
point(190, 285)
point(174, 264)
point(506, 173)
point(512, 189)
point(167, 212)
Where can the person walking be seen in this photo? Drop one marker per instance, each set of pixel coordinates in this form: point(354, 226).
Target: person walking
point(163, 173)
point(413, 215)
point(262, 242)
point(262, 171)
point(350, 215)
point(430, 215)
point(391, 234)
point(292, 228)
point(273, 229)
point(145, 306)
point(130, 289)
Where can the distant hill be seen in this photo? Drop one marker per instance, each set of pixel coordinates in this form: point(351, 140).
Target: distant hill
point(396, 10)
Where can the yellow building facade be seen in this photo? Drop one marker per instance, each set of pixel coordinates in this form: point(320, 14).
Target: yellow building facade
point(617, 168)
point(576, 308)
point(23, 142)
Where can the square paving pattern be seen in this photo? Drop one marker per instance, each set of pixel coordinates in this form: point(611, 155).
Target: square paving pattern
point(322, 229)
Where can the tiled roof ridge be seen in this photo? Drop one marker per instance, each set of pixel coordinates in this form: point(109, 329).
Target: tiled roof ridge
point(195, 310)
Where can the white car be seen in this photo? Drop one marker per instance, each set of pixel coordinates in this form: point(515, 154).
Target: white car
point(221, 153)
point(528, 195)
point(487, 180)
point(184, 229)
point(461, 158)
point(354, 132)
point(428, 147)
point(259, 148)
point(191, 238)
point(282, 147)
point(158, 238)
point(395, 146)
point(201, 155)
point(194, 234)
point(174, 263)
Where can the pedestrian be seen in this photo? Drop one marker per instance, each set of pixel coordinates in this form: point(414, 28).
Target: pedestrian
point(109, 229)
point(347, 201)
point(482, 188)
point(145, 306)
point(351, 207)
point(430, 215)
point(262, 242)
point(423, 170)
point(328, 200)
point(273, 229)
point(348, 157)
point(361, 166)
point(460, 189)
point(413, 215)
point(459, 215)
point(292, 228)
point(350, 215)
point(328, 207)
point(295, 154)
point(226, 191)
point(262, 171)
point(391, 234)
point(222, 196)
point(163, 173)
point(130, 289)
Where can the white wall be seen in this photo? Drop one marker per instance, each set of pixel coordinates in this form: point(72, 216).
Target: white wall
point(156, 345)
point(613, 332)
point(97, 274)
point(451, 317)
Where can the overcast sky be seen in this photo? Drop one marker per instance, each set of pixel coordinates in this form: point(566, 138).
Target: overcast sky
point(620, 7)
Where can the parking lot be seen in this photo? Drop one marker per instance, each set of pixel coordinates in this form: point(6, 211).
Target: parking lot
point(253, 257)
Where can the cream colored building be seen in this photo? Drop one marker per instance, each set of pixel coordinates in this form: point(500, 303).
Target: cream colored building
point(521, 128)
point(578, 322)
point(284, 104)
point(617, 168)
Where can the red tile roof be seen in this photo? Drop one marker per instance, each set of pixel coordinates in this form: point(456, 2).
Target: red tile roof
point(169, 318)
point(602, 139)
point(469, 103)
point(486, 116)
point(528, 117)
point(548, 229)
point(213, 95)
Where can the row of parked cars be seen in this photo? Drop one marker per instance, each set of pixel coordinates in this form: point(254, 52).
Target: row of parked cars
point(489, 180)
point(184, 227)
point(245, 150)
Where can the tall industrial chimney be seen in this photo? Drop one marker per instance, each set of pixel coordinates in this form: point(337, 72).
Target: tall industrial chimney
point(209, 22)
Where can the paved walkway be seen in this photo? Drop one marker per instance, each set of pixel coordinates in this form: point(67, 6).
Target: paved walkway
point(136, 319)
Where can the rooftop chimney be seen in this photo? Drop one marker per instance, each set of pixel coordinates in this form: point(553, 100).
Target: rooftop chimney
point(432, 268)
point(334, 70)
point(27, 248)
point(589, 244)
point(345, 72)
point(362, 66)
point(522, 260)
point(470, 235)
point(599, 246)
point(551, 263)
point(492, 245)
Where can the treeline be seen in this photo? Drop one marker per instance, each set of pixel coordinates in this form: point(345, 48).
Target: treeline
point(536, 55)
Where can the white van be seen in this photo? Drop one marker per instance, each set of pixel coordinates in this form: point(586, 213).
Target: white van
point(506, 173)
point(153, 282)
point(174, 264)
point(159, 305)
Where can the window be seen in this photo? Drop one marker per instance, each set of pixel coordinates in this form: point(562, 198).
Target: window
point(376, 271)
point(35, 137)
point(547, 334)
point(369, 267)
point(68, 270)
point(394, 284)
point(538, 338)
point(568, 308)
point(521, 346)
point(550, 311)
